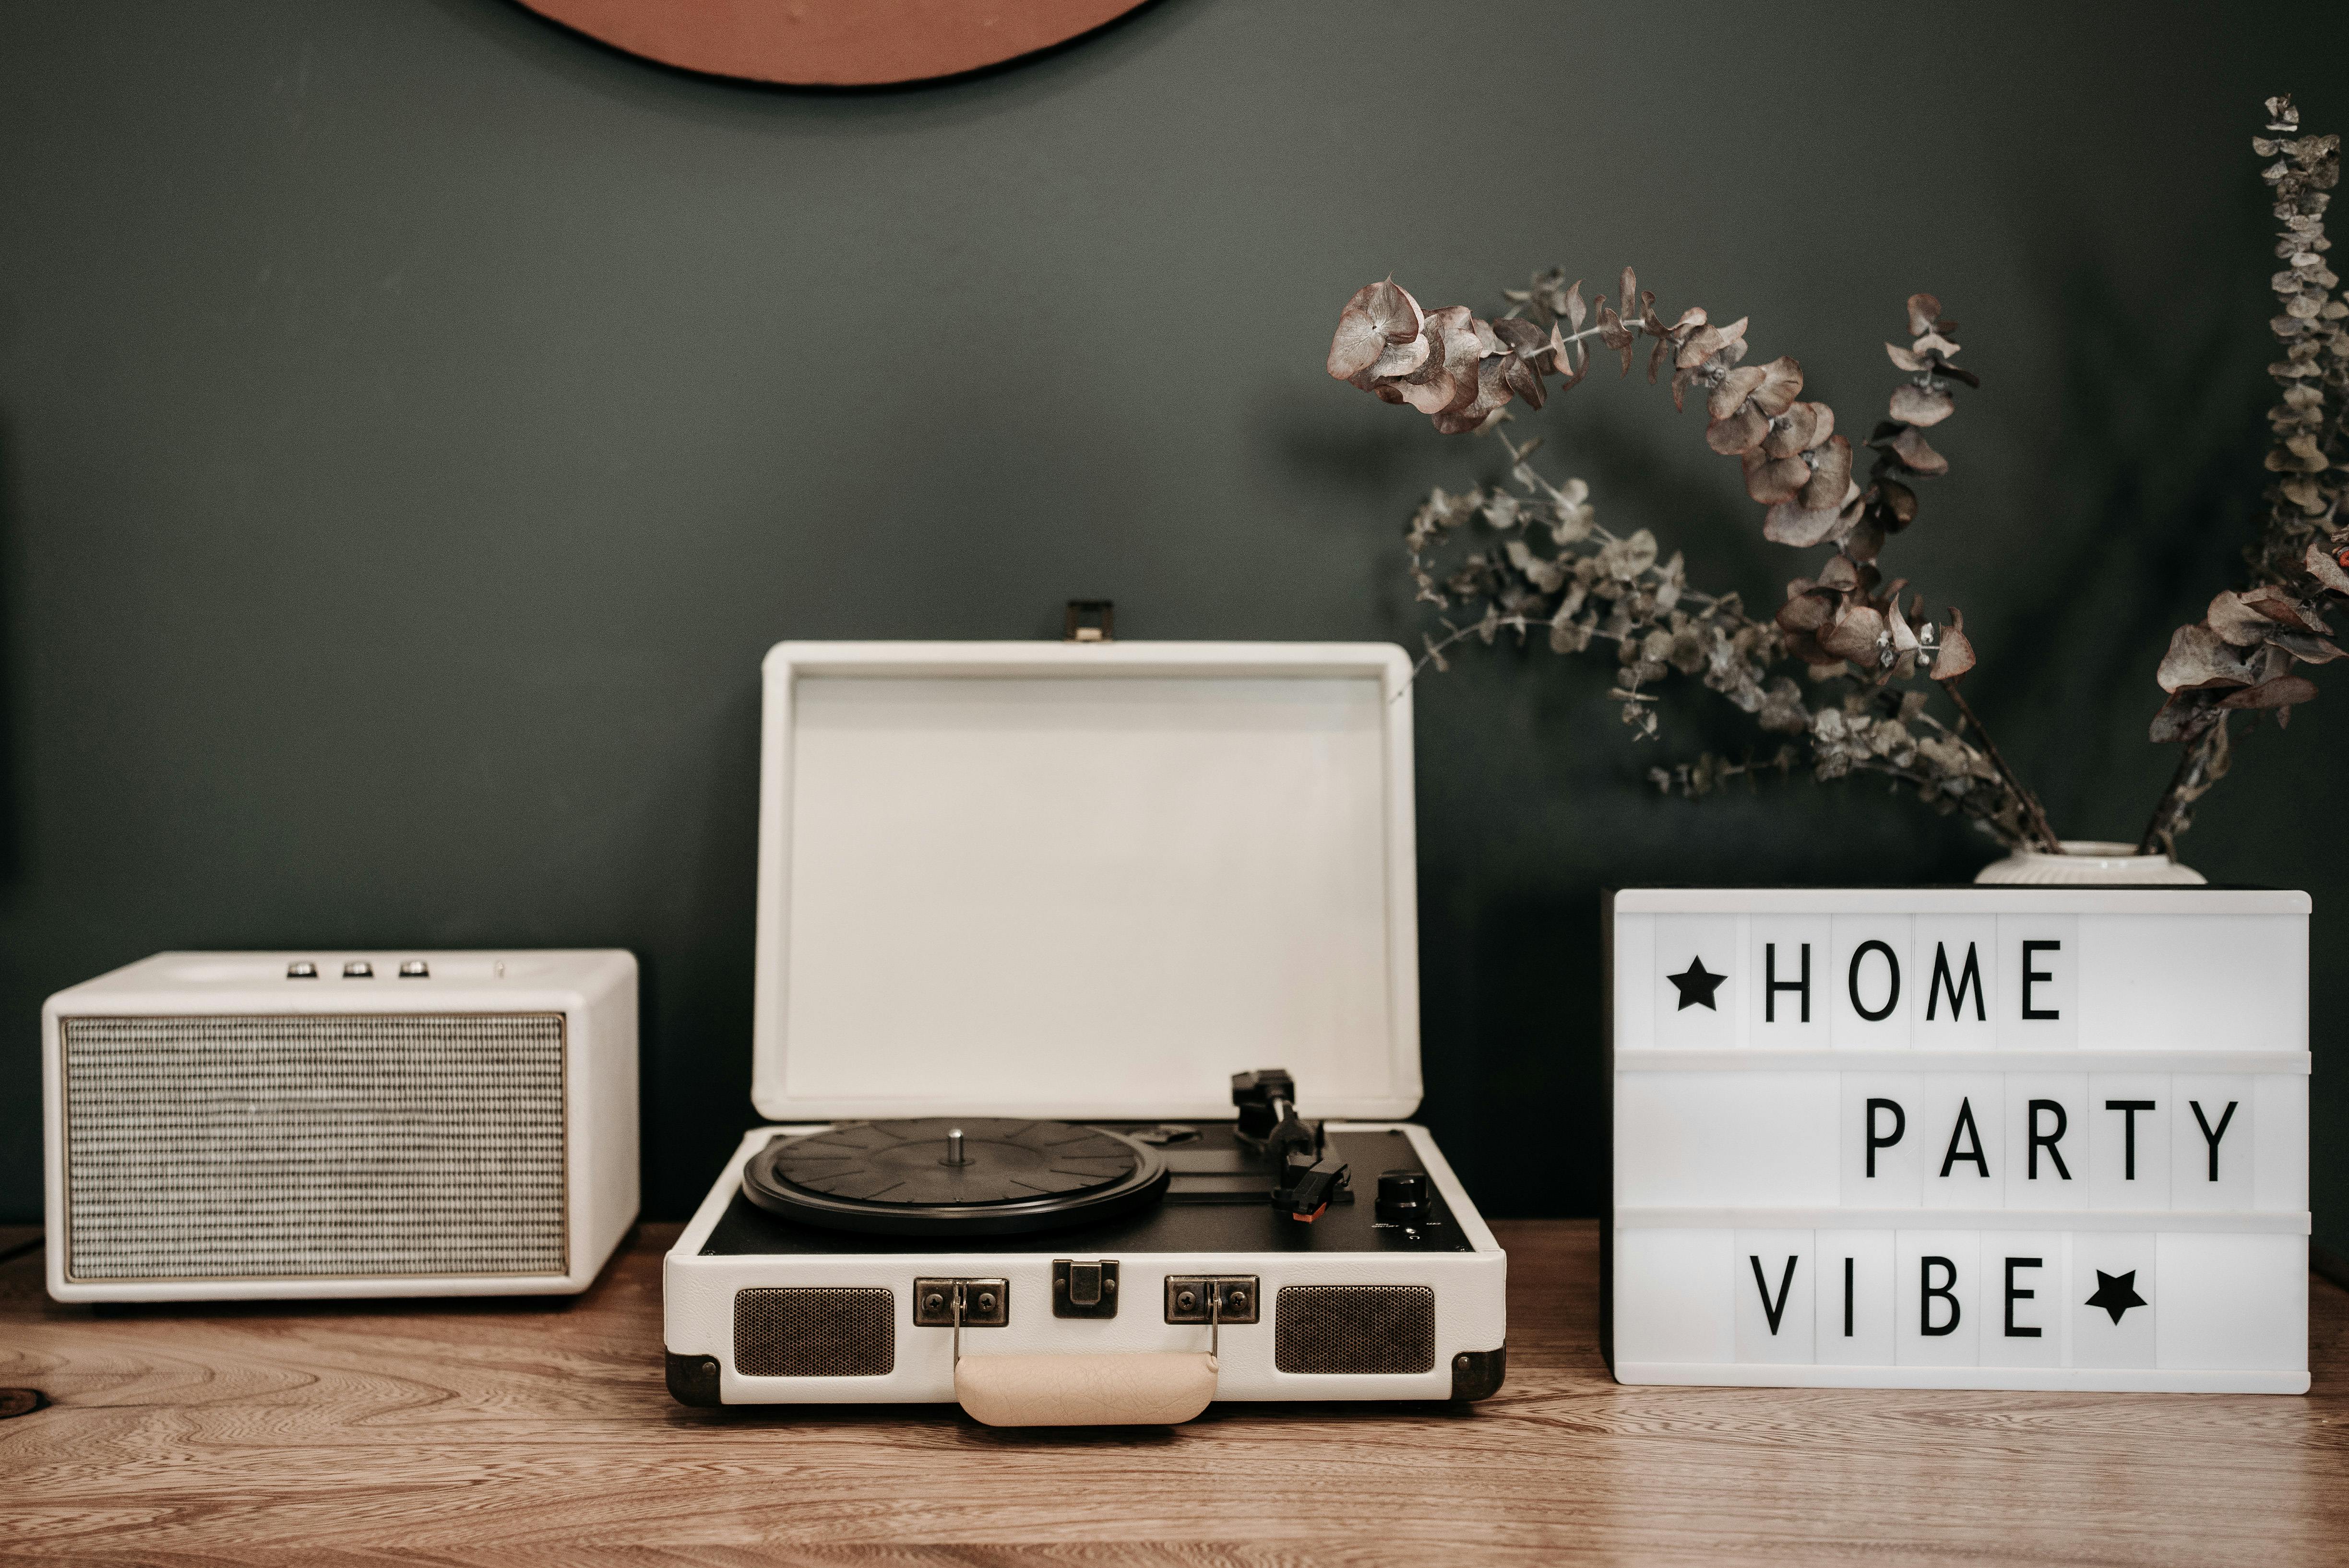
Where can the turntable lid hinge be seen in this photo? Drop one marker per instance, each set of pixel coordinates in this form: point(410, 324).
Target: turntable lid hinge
point(1102, 629)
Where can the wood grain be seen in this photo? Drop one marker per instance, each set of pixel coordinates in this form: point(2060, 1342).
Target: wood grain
point(521, 1433)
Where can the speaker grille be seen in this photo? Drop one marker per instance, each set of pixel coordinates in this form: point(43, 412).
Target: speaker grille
point(347, 1146)
point(1357, 1328)
point(814, 1331)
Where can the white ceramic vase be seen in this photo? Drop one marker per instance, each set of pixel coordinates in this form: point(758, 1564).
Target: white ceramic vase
point(2089, 862)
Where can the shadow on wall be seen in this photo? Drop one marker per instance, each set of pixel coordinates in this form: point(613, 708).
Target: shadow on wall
point(694, 1072)
point(2159, 453)
point(1539, 973)
point(12, 827)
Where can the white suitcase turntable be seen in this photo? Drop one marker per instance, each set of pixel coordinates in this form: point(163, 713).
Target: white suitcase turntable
point(1029, 916)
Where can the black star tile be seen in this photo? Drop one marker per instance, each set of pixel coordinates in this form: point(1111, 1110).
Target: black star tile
point(2116, 1293)
point(1696, 986)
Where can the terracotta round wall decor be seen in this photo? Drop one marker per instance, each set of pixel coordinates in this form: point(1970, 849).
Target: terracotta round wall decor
point(832, 43)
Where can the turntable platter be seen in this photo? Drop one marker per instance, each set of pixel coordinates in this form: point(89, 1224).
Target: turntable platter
point(943, 1176)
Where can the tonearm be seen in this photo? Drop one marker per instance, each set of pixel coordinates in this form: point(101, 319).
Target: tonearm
point(1304, 1180)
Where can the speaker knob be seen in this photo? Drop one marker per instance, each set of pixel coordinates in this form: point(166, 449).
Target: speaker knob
point(1403, 1197)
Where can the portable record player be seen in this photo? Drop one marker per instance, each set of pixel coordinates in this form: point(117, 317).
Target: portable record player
point(1030, 918)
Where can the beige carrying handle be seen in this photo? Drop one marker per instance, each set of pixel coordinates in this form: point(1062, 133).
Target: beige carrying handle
point(1142, 1389)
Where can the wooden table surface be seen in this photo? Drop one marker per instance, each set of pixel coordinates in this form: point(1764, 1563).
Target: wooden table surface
point(521, 1432)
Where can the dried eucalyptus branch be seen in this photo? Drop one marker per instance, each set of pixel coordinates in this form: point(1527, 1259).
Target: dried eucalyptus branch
point(2239, 655)
point(1845, 626)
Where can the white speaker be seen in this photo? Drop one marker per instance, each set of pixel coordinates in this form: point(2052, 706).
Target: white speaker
point(259, 1125)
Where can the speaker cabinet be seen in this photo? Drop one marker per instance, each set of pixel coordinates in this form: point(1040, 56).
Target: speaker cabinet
point(260, 1125)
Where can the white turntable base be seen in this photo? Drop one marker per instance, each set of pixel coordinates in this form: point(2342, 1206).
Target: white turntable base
point(698, 1301)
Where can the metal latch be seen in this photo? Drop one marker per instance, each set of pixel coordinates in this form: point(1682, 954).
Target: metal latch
point(1103, 630)
point(1082, 1288)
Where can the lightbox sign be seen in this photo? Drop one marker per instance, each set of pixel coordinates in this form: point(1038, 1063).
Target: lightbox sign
point(1982, 1138)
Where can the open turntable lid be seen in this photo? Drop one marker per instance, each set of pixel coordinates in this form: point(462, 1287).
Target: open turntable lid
point(1087, 880)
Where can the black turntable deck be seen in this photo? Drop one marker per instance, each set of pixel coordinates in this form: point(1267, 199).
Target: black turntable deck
point(1200, 1187)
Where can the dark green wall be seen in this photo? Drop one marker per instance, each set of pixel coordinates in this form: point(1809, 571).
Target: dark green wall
point(415, 421)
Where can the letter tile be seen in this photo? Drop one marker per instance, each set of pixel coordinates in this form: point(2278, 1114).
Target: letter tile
point(1694, 995)
point(2233, 1300)
point(1777, 1278)
point(2280, 1143)
point(1956, 974)
point(2213, 1138)
point(1789, 982)
point(2194, 983)
point(2047, 1124)
point(1961, 1122)
point(1872, 983)
point(2129, 1141)
point(2024, 1316)
point(1698, 1139)
point(1856, 1298)
point(2038, 982)
point(2115, 1298)
point(1880, 1140)
point(1939, 1299)
point(1672, 1301)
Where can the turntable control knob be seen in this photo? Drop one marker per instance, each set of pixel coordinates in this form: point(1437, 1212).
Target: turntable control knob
point(1403, 1197)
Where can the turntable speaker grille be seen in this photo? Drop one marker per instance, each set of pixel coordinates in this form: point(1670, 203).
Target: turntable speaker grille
point(1354, 1328)
point(814, 1331)
point(355, 1145)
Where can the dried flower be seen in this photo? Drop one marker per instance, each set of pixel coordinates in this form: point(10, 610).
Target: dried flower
point(1845, 624)
point(1956, 654)
point(2239, 655)
point(1377, 335)
point(1533, 560)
